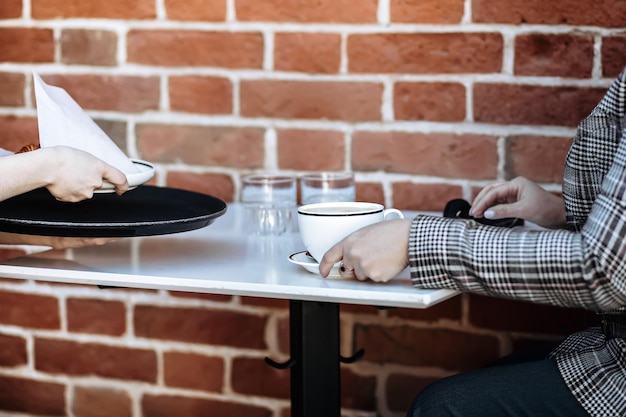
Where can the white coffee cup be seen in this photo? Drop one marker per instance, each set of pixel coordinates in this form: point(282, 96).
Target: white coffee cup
point(322, 225)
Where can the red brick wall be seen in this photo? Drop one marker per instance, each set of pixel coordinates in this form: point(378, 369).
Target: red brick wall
point(424, 100)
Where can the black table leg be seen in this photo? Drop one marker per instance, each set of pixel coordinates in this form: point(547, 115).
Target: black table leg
point(314, 344)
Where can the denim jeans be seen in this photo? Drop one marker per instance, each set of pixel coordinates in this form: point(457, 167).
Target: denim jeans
point(511, 387)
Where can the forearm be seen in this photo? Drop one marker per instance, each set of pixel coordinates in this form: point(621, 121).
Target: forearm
point(23, 172)
point(549, 267)
point(56, 242)
point(554, 212)
point(21, 239)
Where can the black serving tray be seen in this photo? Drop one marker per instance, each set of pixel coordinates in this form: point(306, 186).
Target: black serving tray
point(144, 211)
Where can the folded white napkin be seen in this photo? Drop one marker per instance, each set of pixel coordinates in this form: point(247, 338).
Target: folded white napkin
point(63, 122)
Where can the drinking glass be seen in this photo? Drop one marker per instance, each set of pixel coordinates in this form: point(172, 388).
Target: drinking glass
point(269, 201)
point(327, 187)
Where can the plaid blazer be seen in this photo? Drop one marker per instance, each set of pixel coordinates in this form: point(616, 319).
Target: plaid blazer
point(584, 266)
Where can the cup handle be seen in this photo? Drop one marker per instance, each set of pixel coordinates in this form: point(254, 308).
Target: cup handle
point(397, 214)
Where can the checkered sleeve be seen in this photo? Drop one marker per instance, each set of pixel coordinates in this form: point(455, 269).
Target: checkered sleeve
point(537, 266)
point(581, 267)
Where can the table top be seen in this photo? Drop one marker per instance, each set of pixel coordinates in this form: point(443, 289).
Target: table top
point(219, 259)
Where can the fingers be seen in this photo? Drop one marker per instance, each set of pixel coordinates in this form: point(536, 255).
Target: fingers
point(377, 252)
point(502, 211)
point(346, 271)
point(334, 255)
point(492, 195)
point(115, 177)
point(78, 242)
point(72, 197)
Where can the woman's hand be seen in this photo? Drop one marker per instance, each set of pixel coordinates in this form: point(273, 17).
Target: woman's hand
point(73, 175)
point(56, 242)
point(378, 252)
point(520, 198)
point(69, 174)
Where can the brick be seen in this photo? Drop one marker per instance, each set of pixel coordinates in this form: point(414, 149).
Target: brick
point(198, 94)
point(349, 101)
point(451, 309)
point(370, 191)
point(540, 159)
point(217, 185)
point(613, 55)
point(110, 92)
point(209, 297)
point(168, 405)
point(283, 337)
point(17, 132)
point(85, 359)
point(401, 390)
point(26, 45)
point(13, 352)
point(475, 190)
point(436, 154)
point(216, 327)
point(431, 12)
point(29, 310)
point(94, 401)
point(534, 105)
point(96, 316)
point(311, 150)
point(88, 47)
point(71, 264)
point(13, 280)
point(201, 10)
point(116, 131)
point(202, 145)
point(193, 371)
point(558, 55)
point(358, 391)
point(423, 53)
point(424, 197)
point(307, 52)
point(307, 11)
point(438, 102)
point(525, 317)
point(176, 48)
point(12, 87)
point(11, 9)
point(404, 345)
point(358, 309)
point(105, 9)
point(252, 376)
point(265, 302)
point(31, 396)
point(604, 13)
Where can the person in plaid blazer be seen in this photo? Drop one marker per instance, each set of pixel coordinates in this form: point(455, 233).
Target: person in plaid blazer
point(580, 261)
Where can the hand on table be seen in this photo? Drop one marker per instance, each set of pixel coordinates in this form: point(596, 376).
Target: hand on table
point(520, 198)
point(378, 252)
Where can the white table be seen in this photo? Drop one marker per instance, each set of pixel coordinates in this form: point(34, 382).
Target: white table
point(224, 259)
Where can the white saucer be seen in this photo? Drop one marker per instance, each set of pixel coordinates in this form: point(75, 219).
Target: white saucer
point(146, 172)
point(310, 264)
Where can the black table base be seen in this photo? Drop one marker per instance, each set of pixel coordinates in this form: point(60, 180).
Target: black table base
point(315, 359)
